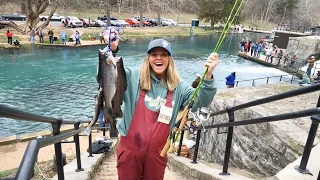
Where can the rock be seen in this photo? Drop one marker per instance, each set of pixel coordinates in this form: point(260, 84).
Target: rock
point(303, 47)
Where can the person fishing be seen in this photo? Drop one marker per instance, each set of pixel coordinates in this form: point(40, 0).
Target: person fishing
point(153, 97)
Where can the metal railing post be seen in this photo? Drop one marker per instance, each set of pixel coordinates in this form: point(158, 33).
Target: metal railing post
point(292, 79)
point(104, 130)
point(307, 148)
point(180, 143)
point(90, 145)
point(230, 112)
point(195, 153)
point(77, 144)
point(280, 78)
point(58, 150)
point(302, 168)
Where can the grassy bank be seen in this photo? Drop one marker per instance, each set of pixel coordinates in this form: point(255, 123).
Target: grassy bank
point(126, 34)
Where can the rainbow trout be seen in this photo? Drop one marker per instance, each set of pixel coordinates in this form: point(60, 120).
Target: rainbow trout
point(113, 84)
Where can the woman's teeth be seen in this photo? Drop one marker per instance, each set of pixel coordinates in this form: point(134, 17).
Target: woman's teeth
point(158, 64)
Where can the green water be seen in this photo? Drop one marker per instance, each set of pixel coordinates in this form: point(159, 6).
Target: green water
point(60, 82)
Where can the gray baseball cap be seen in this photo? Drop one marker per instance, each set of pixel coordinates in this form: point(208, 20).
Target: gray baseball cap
point(160, 43)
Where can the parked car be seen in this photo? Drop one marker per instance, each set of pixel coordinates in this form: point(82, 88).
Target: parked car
point(152, 21)
point(169, 22)
point(138, 17)
point(161, 19)
point(14, 17)
point(72, 21)
point(104, 18)
point(121, 23)
point(85, 22)
point(1, 20)
point(144, 23)
point(94, 23)
point(101, 23)
point(132, 22)
point(55, 17)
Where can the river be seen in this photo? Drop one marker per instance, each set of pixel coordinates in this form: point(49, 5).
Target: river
point(60, 82)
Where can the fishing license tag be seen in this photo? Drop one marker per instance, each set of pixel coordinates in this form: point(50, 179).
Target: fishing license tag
point(165, 114)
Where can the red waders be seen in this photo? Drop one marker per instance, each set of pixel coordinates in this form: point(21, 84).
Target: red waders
point(138, 153)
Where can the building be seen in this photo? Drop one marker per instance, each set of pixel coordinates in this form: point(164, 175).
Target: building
point(315, 31)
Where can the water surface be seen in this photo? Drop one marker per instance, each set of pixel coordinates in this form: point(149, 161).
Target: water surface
point(60, 82)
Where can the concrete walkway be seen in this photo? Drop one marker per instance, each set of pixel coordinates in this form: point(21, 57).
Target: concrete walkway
point(108, 171)
point(296, 69)
point(289, 173)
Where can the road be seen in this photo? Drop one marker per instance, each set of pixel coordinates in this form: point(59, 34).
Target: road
point(58, 24)
point(53, 23)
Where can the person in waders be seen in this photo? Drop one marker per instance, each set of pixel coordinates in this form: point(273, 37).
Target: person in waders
point(154, 96)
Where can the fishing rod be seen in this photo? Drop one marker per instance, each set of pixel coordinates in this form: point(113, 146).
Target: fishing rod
point(176, 130)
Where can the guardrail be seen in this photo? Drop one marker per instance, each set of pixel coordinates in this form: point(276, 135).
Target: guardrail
point(268, 78)
point(232, 123)
point(26, 168)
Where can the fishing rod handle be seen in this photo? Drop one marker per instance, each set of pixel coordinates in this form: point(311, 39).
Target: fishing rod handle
point(165, 149)
point(167, 146)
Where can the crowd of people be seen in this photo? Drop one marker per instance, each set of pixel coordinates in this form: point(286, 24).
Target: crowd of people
point(41, 34)
point(274, 55)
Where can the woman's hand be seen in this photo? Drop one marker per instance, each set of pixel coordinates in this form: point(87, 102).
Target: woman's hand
point(211, 62)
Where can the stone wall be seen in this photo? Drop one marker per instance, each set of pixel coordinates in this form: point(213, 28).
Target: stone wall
point(262, 148)
point(303, 47)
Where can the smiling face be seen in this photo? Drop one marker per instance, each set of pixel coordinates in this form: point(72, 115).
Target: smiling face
point(159, 61)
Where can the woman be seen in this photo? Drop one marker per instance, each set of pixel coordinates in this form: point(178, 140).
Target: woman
point(32, 35)
point(230, 80)
point(40, 34)
point(280, 54)
point(9, 36)
point(153, 98)
point(77, 37)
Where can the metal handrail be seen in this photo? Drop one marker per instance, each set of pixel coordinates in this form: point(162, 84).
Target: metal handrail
point(12, 113)
point(25, 171)
point(284, 95)
point(297, 114)
point(237, 82)
point(314, 113)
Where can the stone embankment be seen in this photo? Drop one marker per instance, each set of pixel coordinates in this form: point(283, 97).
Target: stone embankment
point(304, 47)
point(264, 148)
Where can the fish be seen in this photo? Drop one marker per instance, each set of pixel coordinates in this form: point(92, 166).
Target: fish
point(114, 84)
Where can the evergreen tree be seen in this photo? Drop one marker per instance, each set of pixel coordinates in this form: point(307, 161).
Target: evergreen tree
point(214, 10)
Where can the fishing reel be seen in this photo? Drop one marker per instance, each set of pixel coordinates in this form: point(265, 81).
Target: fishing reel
point(200, 116)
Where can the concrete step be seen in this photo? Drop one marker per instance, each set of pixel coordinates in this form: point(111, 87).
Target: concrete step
point(108, 171)
point(289, 172)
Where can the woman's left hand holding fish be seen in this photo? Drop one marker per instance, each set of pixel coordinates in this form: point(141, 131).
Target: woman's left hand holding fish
point(211, 63)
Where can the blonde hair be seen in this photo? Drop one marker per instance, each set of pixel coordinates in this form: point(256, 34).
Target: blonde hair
point(171, 77)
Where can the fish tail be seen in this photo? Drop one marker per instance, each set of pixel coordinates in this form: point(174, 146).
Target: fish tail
point(108, 113)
